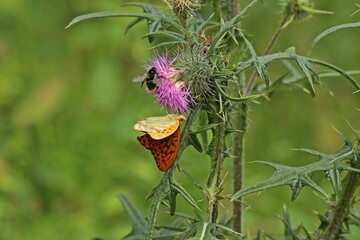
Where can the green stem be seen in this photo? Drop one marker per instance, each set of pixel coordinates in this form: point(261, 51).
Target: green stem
point(217, 148)
point(240, 122)
point(341, 209)
point(234, 8)
point(161, 187)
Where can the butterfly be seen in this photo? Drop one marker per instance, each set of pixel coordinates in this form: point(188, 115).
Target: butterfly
point(162, 138)
point(164, 150)
point(160, 127)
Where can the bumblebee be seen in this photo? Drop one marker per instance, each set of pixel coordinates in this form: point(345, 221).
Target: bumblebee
point(150, 79)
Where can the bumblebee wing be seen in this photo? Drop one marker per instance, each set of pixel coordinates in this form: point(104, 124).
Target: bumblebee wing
point(139, 78)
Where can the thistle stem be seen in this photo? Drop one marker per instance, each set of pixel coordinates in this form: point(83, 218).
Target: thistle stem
point(335, 225)
point(234, 7)
point(240, 121)
point(217, 148)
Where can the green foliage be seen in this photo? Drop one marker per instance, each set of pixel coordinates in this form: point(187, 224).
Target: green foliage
point(333, 29)
point(67, 107)
point(298, 177)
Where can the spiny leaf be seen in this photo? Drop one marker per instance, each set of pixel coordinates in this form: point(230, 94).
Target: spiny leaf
point(227, 229)
point(171, 196)
point(296, 188)
point(235, 99)
point(334, 175)
point(204, 23)
point(188, 217)
point(304, 67)
point(201, 188)
point(205, 128)
point(203, 232)
point(308, 181)
point(305, 61)
point(298, 177)
point(228, 26)
point(138, 221)
point(333, 29)
point(169, 43)
point(131, 24)
point(312, 152)
point(185, 194)
point(171, 34)
point(259, 66)
point(160, 18)
point(194, 141)
point(89, 16)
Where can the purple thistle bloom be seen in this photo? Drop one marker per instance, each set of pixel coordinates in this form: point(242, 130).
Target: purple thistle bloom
point(171, 93)
point(173, 96)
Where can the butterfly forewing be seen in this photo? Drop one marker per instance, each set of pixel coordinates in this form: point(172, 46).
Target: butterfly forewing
point(163, 150)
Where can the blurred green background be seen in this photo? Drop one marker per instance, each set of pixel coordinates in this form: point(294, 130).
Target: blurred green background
point(68, 105)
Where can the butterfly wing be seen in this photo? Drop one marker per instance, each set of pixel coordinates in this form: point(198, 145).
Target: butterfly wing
point(160, 127)
point(164, 150)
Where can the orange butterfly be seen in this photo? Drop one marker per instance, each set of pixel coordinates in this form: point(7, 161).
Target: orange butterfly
point(162, 138)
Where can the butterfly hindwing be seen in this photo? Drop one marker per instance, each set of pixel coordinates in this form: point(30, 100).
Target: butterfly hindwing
point(163, 150)
point(160, 127)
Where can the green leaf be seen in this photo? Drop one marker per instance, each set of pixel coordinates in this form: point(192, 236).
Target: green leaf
point(171, 43)
point(203, 232)
point(334, 175)
point(138, 221)
point(177, 36)
point(298, 177)
point(194, 141)
point(333, 29)
point(304, 62)
point(159, 19)
point(228, 230)
point(312, 152)
point(171, 195)
point(185, 194)
point(228, 26)
point(131, 24)
point(205, 128)
point(235, 99)
point(108, 14)
point(259, 66)
point(304, 67)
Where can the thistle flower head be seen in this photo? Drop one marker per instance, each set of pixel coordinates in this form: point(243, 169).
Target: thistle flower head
point(171, 93)
point(174, 96)
point(185, 7)
point(164, 66)
point(197, 71)
point(297, 9)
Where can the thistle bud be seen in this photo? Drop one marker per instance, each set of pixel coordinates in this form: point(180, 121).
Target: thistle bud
point(299, 10)
point(185, 7)
point(196, 71)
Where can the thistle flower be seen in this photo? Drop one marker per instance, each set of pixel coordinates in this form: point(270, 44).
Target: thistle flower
point(171, 93)
point(197, 73)
point(185, 7)
point(299, 10)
